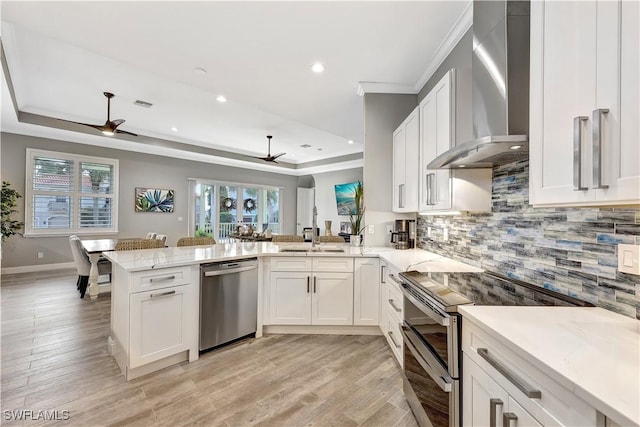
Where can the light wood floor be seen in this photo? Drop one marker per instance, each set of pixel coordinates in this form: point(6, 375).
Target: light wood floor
point(54, 357)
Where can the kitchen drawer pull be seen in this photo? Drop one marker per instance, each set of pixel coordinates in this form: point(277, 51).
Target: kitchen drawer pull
point(395, 307)
point(390, 333)
point(162, 279)
point(493, 402)
point(507, 417)
point(512, 377)
point(597, 148)
point(577, 153)
point(163, 294)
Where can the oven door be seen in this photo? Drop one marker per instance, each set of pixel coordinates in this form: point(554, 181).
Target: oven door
point(431, 392)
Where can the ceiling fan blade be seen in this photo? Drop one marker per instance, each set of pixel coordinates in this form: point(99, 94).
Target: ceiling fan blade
point(125, 132)
point(275, 156)
point(99, 127)
point(117, 123)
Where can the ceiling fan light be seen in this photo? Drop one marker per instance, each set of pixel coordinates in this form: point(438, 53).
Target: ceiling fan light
point(107, 132)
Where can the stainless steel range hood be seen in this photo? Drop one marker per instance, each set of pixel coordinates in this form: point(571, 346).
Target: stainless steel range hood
point(500, 73)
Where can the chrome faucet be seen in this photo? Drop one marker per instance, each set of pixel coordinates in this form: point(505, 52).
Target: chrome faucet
point(314, 227)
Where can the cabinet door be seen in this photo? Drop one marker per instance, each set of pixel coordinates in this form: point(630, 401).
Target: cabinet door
point(382, 323)
point(290, 298)
point(366, 292)
point(436, 137)
point(332, 299)
point(159, 323)
point(483, 400)
point(399, 150)
point(519, 416)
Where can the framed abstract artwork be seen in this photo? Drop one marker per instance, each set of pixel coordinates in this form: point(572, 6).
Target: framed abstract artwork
point(154, 200)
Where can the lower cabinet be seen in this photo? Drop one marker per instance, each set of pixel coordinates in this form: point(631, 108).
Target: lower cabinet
point(366, 291)
point(486, 403)
point(158, 323)
point(311, 297)
point(391, 309)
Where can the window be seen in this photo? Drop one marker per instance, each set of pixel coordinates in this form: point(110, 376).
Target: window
point(218, 208)
point(70, 194)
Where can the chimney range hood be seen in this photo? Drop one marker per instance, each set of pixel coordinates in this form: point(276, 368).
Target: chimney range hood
point(500, 82)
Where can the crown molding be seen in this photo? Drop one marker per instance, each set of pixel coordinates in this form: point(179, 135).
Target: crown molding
point(459, 29)
point(378, 87)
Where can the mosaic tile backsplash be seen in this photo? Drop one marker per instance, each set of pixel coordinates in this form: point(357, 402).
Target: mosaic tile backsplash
point(569, 250)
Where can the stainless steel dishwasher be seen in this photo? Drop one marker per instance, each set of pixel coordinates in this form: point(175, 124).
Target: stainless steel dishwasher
point(228, 301)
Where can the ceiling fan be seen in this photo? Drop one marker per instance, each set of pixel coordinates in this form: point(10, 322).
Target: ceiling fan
point(269, 157)
point(110, 127)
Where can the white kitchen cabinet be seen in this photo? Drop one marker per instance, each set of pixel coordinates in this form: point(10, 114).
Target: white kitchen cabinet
point(493, 370)
point(159, 321)
point(445, 190)
point(322, 295)
point(154, 318)
point(486, 403)
point(406, 141)
point(584, 127)
point(391, 309)
point(366, 291)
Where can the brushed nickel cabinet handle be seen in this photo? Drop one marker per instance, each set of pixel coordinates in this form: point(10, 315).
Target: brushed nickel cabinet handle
point(390, 333)
point(597, 148)
point(493, 403)
point(315, 280)
point(577, 153)
point(511, 376)
point(382, 268)
point(163, 294)
point(162, 279)
point(431, 179)
point(507, 417)
point(308, 283)
point(395, 307)
point(400, 196)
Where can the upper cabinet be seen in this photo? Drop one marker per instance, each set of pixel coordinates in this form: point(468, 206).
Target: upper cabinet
point(585, 115)
point(446, 189)
point(406, 140)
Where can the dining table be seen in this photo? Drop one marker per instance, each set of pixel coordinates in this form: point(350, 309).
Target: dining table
point(94, 249)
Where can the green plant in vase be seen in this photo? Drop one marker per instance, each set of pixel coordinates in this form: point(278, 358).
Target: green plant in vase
point(356, 217)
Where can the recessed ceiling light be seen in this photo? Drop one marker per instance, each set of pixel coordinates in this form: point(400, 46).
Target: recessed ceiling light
point(350, 141)
point(175, 129)
point(317, 67)
point(515, 147)
point(200, 71)
point(221, 98)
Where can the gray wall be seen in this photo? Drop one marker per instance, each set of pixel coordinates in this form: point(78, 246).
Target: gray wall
point(326, 196)
point(136, 170)
point(382, 115)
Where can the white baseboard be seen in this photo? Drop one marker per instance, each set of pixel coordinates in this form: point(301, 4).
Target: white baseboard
point(38, 267)
point(322, 330)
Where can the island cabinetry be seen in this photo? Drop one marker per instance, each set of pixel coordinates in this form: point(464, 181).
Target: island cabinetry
point(391, 309)
point(154, 318)
point(502, 388)
point(311, 291)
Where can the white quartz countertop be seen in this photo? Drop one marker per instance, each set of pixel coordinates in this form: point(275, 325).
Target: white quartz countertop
point(410, 259)
point(591, 351)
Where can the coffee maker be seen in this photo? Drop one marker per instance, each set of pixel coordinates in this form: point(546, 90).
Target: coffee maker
point(404, 236)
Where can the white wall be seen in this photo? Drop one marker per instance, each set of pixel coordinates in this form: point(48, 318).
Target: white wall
point(326, 196)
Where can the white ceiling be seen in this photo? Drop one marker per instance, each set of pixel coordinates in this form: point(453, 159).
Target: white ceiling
point(63, 55)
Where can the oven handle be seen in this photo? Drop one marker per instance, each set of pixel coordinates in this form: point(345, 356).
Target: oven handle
point(445, 383)
point(441, 320)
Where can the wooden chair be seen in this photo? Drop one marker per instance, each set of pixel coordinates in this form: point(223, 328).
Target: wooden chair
point(130, 245)
point(196, 241)
point(287, 238)
point(162, 238)
point(330, 239)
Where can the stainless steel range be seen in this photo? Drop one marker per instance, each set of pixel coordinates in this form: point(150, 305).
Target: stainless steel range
point(432, 331)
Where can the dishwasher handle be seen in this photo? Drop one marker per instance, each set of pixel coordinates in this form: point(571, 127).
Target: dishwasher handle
point(212, 273)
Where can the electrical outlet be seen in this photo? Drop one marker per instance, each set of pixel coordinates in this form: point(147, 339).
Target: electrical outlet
point(445, 234)
point(372, 229)
point(389, 228)
point(40, 255)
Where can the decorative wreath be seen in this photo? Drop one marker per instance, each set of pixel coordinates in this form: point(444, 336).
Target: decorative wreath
point(249, 205)
point(228, 204)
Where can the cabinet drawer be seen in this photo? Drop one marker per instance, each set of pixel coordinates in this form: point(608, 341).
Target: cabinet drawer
point(556, 404)
point(392, 278)
point(394, 302)
point(394, 336)
point(337, 264)
point(162, 278)
point(291, 264)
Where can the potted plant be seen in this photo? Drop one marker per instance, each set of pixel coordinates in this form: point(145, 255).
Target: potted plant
point(357, 215)
point(9, 197)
